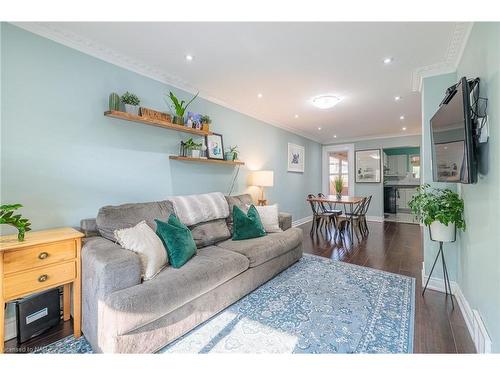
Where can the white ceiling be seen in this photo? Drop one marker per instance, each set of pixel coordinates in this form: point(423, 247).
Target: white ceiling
point(288, 63)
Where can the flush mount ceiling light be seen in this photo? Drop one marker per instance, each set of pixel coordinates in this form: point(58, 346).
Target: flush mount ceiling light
point(388, 60)
point(325, 101)
point(189, 57)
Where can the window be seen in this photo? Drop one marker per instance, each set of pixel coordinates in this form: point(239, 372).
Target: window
point(338, 167)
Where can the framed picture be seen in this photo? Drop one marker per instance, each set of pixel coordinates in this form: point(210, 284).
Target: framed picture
point(296, 156)
point(368, 166)
point(215, 147)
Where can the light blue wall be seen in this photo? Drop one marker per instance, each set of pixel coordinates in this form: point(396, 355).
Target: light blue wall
point(63, 159)
point(377, 189)
point(433, 91)
point(479, 257)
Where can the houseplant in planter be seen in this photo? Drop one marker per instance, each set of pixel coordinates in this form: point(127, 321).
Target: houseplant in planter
point(205, 122)
point(20, 223)
point(442, 210)
point(179, 107)
point(131, 102)
point(338, 183)
point(232, 153)
point(192, 148)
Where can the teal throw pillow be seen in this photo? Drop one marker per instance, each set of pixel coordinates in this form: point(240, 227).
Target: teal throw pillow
point(177, 239)
point(246, 226)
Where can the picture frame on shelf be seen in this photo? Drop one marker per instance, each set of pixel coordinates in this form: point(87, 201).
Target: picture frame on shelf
point(368, 166)
point(296, 156)
point(215, 146)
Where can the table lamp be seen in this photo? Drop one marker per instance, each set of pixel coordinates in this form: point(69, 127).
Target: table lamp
point(262, 179)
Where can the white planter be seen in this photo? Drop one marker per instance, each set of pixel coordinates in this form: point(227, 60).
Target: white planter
point(195, 153)
point(132, 109)
point(441, 232)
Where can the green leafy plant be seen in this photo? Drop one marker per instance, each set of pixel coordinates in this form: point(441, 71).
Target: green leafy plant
point(338, 183)
point(192, 145)
point(179, 107)
point(129, 98)
point(205, 119)
point(232, 153)
point(6, 217)
point(443, 205)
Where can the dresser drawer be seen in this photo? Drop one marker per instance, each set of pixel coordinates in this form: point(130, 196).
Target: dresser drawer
point(38, 279)
point(36, 256)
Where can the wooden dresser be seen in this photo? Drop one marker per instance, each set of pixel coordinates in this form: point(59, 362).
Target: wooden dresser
point(44, 260)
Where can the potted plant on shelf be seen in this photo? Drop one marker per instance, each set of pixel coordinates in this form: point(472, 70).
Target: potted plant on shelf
point(338, 183)
point(131, 102)
point(193, 148)
point(205, 122)
point(442, 210)
point(20, 223)
point(232, 153)
point(179, 108)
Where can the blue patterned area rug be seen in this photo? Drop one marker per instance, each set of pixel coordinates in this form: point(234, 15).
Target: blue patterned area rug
point(315, 306)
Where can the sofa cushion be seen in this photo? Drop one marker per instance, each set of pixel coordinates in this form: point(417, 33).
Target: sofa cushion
point(210, 232)
point(262, 249)
point(172, 288)
point(111, 218)
point(240, 201)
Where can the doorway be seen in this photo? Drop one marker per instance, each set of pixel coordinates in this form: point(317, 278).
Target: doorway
point(338, 162)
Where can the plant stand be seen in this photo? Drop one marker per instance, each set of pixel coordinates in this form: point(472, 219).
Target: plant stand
point(447, 285)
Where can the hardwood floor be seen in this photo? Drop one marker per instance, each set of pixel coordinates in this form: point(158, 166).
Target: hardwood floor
point(392, 247)
point(397, 247)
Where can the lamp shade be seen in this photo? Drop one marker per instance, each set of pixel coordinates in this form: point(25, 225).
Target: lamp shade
point(262, 178)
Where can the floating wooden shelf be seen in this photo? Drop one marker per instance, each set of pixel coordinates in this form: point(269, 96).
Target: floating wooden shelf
point(162, 124)
point(212, 161)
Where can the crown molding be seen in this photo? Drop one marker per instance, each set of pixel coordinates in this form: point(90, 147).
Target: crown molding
point(371, 138)
point(105, 53)
point(452, 58)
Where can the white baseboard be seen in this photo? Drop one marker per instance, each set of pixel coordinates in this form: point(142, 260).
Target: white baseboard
point(304, 220)
point(378, 219)
point(473, 320)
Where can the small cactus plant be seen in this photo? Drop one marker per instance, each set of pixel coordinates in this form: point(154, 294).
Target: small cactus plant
point(114, 102)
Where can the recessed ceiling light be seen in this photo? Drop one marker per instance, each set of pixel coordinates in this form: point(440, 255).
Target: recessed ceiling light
point(296, 116)
point(397, 98)
point(319, 128)
point(189, 57)
point(259, 95)
point(388, 60)
point(404, 128)
point(401, 117)
point(335, 136)
point(325, 101)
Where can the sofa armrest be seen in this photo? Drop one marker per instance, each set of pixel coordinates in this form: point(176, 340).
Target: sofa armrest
point(89, 227)
point(285, 220)
point(106, 268)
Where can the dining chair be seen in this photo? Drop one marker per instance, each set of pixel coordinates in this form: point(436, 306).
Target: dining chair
point(343, 221)
point(319, 218)
point(363, 222)
point(330, 209)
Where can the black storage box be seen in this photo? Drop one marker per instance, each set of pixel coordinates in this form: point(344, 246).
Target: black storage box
point(36, 314)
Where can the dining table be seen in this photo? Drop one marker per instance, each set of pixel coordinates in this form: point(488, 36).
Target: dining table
point(346, 200)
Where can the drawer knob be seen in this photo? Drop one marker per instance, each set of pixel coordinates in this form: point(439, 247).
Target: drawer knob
point(43, 255)
point(43, 278)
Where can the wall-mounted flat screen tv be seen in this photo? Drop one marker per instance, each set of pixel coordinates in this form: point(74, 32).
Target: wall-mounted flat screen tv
point(452, 135)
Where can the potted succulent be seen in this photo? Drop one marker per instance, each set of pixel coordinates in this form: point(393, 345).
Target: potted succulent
point(193, 148)
point(20, 223)
point(442, 210)
point(131, 102)
point(338, 183)
point(205, 122)
point(232, 153)
point(179, 107)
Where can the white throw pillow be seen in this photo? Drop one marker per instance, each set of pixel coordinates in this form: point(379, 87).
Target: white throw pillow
point(141, 239)
point(269, 217)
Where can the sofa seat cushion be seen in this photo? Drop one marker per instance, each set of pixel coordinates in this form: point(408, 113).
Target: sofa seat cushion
point(261, 249)
point(172, 288)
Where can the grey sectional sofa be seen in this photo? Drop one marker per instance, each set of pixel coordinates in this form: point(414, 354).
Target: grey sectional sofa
point(122, 315)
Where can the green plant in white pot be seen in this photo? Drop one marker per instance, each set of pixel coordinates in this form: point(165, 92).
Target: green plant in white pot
point(338, 183)
point(193, 148)
point(179, 107)
point(442, 210)
point(131, 102)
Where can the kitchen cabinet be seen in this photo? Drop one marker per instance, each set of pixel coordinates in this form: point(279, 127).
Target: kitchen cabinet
point(397, 165)
point(403, 196)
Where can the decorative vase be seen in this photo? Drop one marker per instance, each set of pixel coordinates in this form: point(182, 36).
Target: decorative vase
point(205, 127)
point(132, 109)
point(114, 102)
point(20, 235)
point(442, 233)
point(195, 153)
point(178, 120)
point(339, 195)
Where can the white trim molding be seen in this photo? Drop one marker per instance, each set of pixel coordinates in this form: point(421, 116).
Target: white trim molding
point(325, 175)
point(452, 58)
point(473, 320)
point(304, 220)
point(377, 219)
